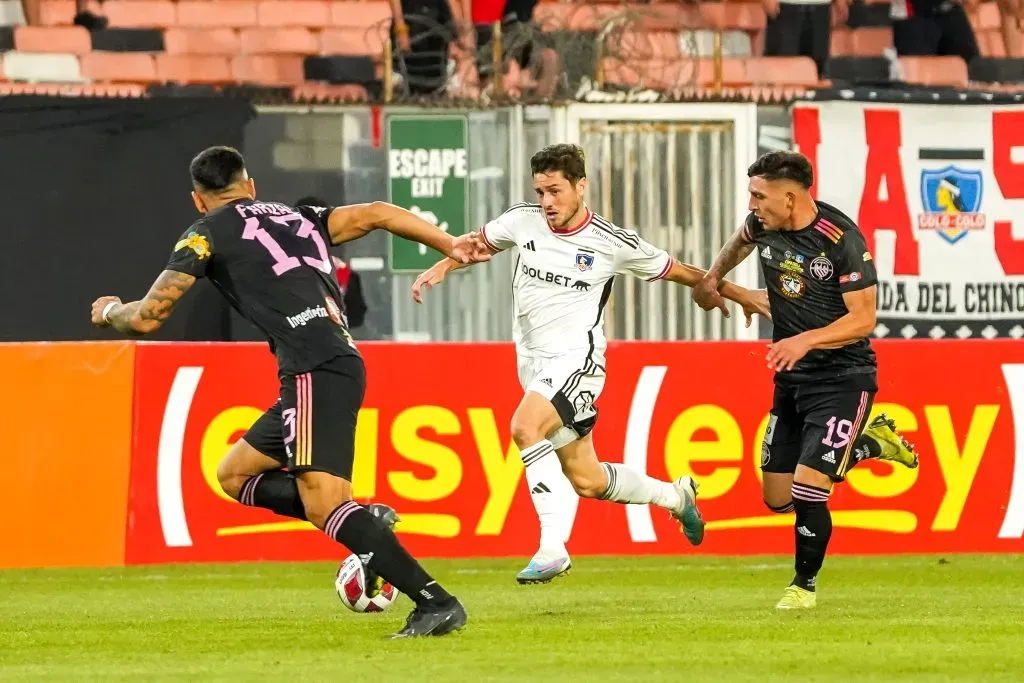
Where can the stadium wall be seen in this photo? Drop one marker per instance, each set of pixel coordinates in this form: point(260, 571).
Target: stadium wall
point(117, 446)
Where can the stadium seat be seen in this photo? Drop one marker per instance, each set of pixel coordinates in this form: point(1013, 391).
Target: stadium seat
point(56, 12)
point(987, 18)
point(352, 41)
point(938, 71)
point(306, 13)
point(11, 13)
point(42, 68)
point(991, 44)
point(119, 67)
point(858, 70)
point(128, 40)
point(369, 13)
point(198, 41)
point(69, 39)
point(278, 41)
point(268, 69)
point(193, 69)
point(870, 42)
point(141, 13)
point(216, 13)
point(743, 16)
point(787, 70)
point(990, 70)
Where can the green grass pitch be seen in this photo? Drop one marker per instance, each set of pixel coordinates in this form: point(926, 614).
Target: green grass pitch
point(956, 618)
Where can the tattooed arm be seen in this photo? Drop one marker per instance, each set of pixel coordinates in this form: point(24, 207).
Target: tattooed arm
point(706, 293)
point(142, 317)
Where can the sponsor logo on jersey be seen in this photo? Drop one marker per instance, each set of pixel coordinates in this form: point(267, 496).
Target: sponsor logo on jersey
point(791, 285)
point(830, 457)
point(821, 268)
point(584, 261)
point(197, 243)
point(766, 253)
point(791, 265)
point(310, 313)
point(553, 278)
point(581, 285)
point(852, 277)
point(867, 256)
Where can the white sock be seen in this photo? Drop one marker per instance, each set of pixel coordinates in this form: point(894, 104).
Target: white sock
point(548, 493)
point(626, 485)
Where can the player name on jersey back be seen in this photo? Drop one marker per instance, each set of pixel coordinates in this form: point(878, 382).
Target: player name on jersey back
point(563, 278)
point(271, 262)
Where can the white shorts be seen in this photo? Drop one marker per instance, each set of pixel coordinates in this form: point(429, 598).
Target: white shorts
point(572, 383)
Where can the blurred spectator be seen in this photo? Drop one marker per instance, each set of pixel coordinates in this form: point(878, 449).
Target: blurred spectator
point(421, 35)
point(519, 40)
point(1012, 24)
point(802, 28)
point(933, 27)
point(351, 285)
point(83, 17)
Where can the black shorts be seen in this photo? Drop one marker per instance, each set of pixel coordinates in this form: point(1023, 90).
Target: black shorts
point(312, 426)
point(943, 34)
point(816, 425)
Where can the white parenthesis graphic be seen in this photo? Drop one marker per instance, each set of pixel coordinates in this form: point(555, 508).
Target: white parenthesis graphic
point(170, 502)
point(638, 433)
point(1013, 523)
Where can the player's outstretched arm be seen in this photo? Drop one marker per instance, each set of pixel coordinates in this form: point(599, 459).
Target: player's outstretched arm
point(732, 254)
point(753, 302)
point(434, 276)
point(147, 315)
point(349, 223)
point(857, 324)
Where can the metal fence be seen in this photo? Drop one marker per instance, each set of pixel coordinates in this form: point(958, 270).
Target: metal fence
point(671, 179)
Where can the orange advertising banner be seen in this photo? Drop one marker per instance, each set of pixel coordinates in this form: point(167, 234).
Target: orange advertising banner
point(433, 441)
point(67, 417)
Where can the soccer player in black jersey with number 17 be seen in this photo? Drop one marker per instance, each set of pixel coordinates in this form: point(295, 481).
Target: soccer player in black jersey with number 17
point(271, 262)
point(821, 291)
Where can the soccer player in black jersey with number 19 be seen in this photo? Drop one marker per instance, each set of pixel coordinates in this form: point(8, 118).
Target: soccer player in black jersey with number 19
point(821, 290)
point(271, 262)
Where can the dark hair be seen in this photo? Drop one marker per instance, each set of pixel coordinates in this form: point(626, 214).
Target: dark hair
point(783, 166)
point(216, 168)
point(562, 157)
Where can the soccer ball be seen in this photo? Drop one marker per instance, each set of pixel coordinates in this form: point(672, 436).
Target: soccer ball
point(350, 583)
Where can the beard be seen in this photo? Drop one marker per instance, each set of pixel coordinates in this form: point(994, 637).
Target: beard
point(571, 214)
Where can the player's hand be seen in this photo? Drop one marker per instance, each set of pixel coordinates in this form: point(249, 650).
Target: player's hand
point(470, 248)
point(426, 280)
point(402, 37)
point(706, 295)
point(97, 309)
point(840, 11)
point(783, 355)
point(756, 303)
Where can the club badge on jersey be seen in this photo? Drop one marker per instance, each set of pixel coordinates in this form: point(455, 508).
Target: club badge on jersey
point(584, 261)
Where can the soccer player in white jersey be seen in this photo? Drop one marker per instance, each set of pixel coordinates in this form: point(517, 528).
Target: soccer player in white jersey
point(568, 257)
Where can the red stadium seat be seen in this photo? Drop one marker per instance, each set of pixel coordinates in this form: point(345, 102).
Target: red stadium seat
point(279, 41)
point(119, 67)
point(223, 13)
point(200, 41)
point(934, 70)
point(193, 69)
point(308, 13)
point(70, 39)
point(268, 70)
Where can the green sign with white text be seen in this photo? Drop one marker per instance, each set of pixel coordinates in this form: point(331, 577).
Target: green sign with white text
point(428, 170)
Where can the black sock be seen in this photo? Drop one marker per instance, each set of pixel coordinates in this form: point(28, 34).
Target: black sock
point(864, 447)
point(813, 529)
point(351, 525)
point(274, 490)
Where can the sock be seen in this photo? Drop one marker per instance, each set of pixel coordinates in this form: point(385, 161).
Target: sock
point(781, 509)
point(548, 491)
point(626, 485)
point(354, 527)
point(864, 448)
point(274, 490)
point(813, 530)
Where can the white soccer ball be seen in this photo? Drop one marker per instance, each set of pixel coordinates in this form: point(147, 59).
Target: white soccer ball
point(350, 582)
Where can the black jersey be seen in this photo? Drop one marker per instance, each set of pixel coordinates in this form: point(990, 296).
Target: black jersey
point(807, 272)
point(271, 262)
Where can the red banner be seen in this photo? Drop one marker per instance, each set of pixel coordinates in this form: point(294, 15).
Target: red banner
point(433, 441)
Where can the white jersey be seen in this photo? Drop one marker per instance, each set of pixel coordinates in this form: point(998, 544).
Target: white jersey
point(562, 280)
